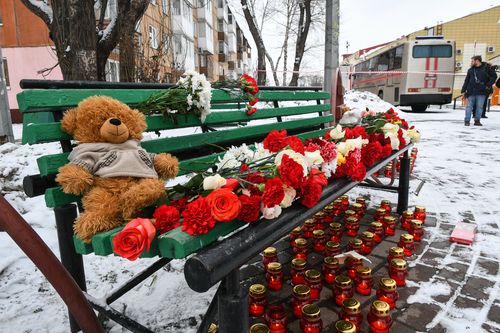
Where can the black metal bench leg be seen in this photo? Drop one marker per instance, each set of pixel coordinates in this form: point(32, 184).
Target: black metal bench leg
point(72, 261)
point(232, 305)
point(208, 319)
point(404, 183)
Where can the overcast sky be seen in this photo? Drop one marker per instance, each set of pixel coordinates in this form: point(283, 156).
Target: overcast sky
point(366, 23)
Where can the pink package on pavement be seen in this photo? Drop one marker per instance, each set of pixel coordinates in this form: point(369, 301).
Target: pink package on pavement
point(463, 233)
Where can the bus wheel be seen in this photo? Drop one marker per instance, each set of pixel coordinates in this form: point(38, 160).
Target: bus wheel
point(419, 108)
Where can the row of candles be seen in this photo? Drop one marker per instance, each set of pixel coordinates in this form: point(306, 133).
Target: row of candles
point(307, 283)
point(388, 169)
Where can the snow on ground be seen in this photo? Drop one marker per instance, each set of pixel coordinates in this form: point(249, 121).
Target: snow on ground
point(458, 164)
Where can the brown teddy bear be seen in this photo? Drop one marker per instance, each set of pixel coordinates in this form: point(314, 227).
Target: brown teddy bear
point(115, 175)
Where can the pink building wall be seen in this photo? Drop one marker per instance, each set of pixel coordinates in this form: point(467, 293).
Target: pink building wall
point(24, 63)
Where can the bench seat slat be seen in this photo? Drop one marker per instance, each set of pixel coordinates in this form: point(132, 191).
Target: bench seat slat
point(55, 197)
point(47, 132)
point(66, 98)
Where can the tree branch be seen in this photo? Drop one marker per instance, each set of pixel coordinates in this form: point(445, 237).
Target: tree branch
point(41, 9)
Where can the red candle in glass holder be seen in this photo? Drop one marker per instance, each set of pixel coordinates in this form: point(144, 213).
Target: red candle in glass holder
point(344, 199)
point(269, 255)
point(351, 311)
point(313, 281)
point(274, 276)
point(355, 244)
point(386, 204)
point(352, 226)
point(364, 280)
point(344, 326)
point(349, 213)
point(352, 264)
point(420, 213)
point(358, 210)
point(298, 271)
point(405, 219)
point(330, 269)
point(276, 319)
point(319, 221)
point(362, 202)
point(300, 248)
point(337, 207)
point(332, 249)
point(389, 223)
point(294, 234)
point(308, 228)
point(380, 213)
point(329, 211)
point(379, 317)
point(319, 241)
point(398, 271)
point(377, 229)
point(406, 242)
point(388, 170)
point(311, 319)
point(387, 291)
point(301, 297)
point(257, 328)
point(257, 300)
point(343, 289)
point(335, 230)
point(395, 253)
point(416, 230)
point(368, 242)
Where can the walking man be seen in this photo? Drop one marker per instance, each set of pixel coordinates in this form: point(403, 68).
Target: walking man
point(474, 89)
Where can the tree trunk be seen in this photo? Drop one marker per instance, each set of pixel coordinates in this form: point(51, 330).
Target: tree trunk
point(127, 57)
point(261, 49)
point(302, 32)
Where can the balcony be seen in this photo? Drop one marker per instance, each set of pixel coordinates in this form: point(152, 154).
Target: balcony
point(221, 35)
point(222, 57)
point(230, 65)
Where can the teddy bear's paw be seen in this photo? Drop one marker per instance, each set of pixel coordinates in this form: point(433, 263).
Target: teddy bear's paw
point(89, 224)
point(166, 165)
point(140, 195)
point(74, 179)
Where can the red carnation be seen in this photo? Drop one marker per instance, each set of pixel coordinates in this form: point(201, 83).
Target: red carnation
point(198, 219)
point(275, 141)
point(273, 192)
point(371, 153)
point(328, 151)
point(295, 143)
point(251, 111)
point(310, 193)
point(386, 150)
point(253, 101)
point(180, 204)
point(341, 171)
point(402, 141)
point(358, 173)
point(291, 172)
point(312, 147)
point(316, 141)
point(250, 208)
point(166, 218)
point(353, 133)
point(327, 135)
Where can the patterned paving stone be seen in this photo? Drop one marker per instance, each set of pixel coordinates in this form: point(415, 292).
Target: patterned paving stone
point(455, 272)
point(433, 257)
point(462, 302)
point(494, 313)
point(419, 315)
point(487, 268)
point(477, 288)
point(421, 273)
point(444, 245)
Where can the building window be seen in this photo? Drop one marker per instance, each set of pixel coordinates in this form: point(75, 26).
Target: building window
point(230, 18)
point(221, 46)
point(6, 73)
point(164, 7)
point(153, 37)
point(177, 45)
point(220, 3)
point(110, 10)
point(112, 71)
point(166, 43)
point(176, 4)
point(220, 25)
point(201, 30)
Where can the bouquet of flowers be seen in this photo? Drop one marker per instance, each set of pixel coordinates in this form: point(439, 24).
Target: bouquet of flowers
point(250, 182)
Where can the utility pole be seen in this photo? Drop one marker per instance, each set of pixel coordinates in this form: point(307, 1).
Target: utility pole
point(6, 133)
point(331, 42)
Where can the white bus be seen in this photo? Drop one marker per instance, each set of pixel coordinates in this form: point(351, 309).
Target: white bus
point(412, 73)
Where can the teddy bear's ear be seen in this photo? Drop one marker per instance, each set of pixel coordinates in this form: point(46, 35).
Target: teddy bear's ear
point(68, 122)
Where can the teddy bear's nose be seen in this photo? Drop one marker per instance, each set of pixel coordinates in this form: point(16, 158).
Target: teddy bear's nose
point(115, 121)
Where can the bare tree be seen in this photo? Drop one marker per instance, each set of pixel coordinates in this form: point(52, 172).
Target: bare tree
point(83, 39)
point(303, 26)
point(261, 48)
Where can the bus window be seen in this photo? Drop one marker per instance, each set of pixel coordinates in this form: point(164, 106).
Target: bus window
point(383, 62)
point(373, 64)
point(398, 57)
point(431, 51)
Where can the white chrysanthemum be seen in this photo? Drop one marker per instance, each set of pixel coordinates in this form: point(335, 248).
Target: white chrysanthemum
point(329, 168)
point(297, 157)
point(260, 152)
point(228, 161)
point(242, 153)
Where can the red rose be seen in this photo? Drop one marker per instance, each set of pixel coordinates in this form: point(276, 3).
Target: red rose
point(134, 239)
point(198, 219)
point(273, 192)
point(371, 153)
point(291, 172)
point(275, 141)
point(166, 218)
point(295, 143)
point(310, 193)
point(224, 205)
point(250, 208)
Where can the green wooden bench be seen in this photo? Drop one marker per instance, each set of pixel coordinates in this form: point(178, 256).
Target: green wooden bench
point(43, 109)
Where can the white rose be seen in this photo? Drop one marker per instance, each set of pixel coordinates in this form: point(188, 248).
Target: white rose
point(337, 133)
point(213, 182)
point(313, 158)
point(271, 212)
point(290, 194)
point(414, 135)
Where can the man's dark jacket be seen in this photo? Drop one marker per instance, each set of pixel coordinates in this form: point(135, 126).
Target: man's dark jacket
point(478, 81)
